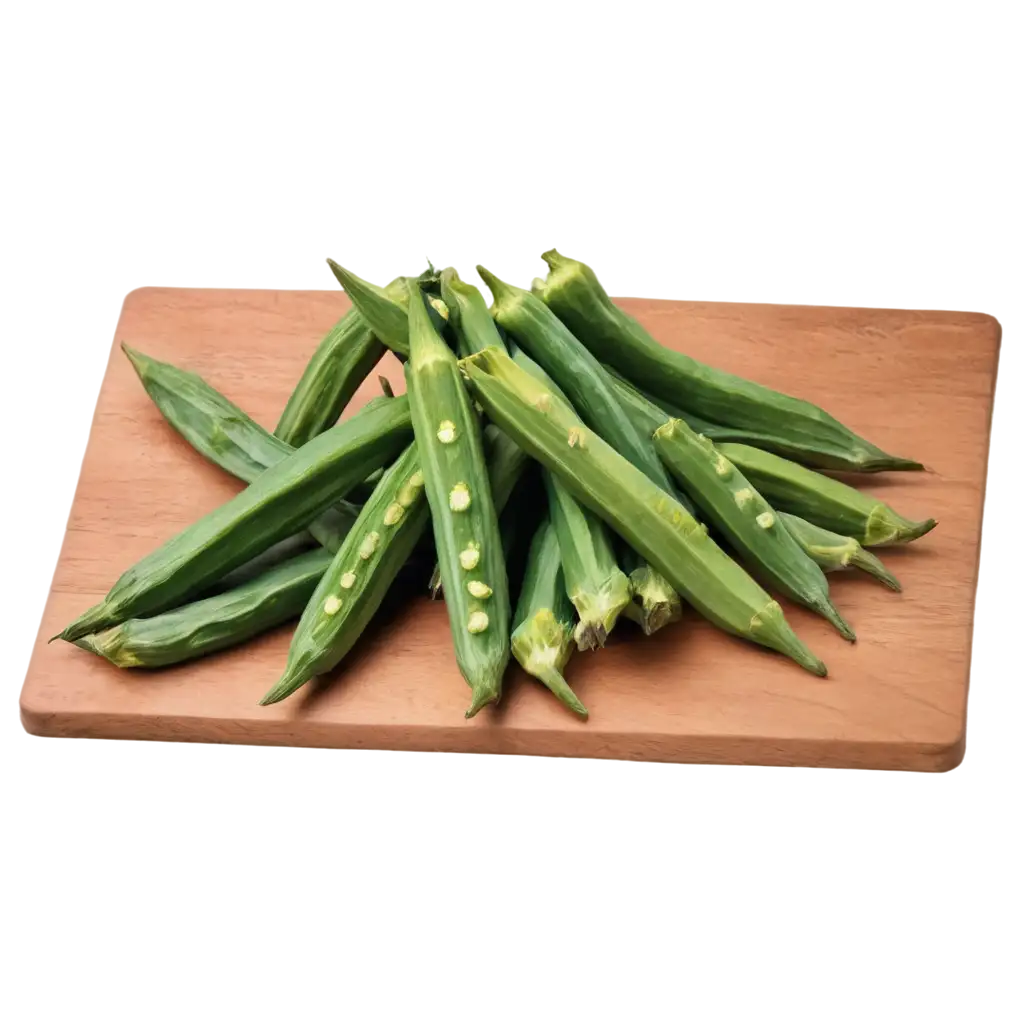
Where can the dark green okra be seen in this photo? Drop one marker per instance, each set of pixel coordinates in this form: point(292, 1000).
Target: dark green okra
point(462, 510)
point(281, 501)
point(357, 580)
point(341, 362)
point(214, 623)
point(575, 295)
point(542, 634)
point(224, 434)
point(822, 500)
point(649, 518)
point(834, 552)
point(751, 525)
point(386, 310)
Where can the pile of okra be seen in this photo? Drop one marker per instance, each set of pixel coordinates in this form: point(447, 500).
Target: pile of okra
point(548, 434)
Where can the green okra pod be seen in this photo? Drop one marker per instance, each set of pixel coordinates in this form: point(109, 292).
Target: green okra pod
point(751, 525)
point(214, 623)
point(357, 580)
point(472, 324)
point(575, 295)
point(542, 634)
point(281, 501)
point(649, 518)
point(386, 310)
point(462, 509)
point(221, 432)
point(595, 584)
point(341, 362)
point(822, 500)
point(833, 552)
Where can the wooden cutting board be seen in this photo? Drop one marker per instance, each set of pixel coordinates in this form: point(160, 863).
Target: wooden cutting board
point(916, 383)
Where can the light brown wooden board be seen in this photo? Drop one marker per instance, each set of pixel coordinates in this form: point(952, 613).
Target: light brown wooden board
point(916, 383)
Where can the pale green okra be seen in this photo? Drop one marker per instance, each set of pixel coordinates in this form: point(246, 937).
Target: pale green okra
point(822, 500)
point(462, 510)
point(649, 518)
point(351, 590)
point(281, 501)
point(542, 634)
point(749, 523)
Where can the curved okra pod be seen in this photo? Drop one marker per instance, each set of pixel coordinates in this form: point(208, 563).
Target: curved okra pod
point(575, 295)
point(281, 501)
point(386, 310)
point(833, 552)
point(822, 500)
point(214, 623)
point(341, 362)
point(649, 518)
point(653, 603)
point(542, 634)
point(461, 509)
point(357, 580)
point(746, 519)
point(221, 432)
point(596, 585)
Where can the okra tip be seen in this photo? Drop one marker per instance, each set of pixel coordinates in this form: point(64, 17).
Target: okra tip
point(875, 567)
point(499, 289)
point(481, 698)
point(138, 359)
point(291, 681)
point(91, 621)
point(915, 530)
point(831, 613)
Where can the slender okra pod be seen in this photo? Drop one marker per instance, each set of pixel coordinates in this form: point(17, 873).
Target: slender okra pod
point(822, 500)
point(833, 552)
point(579, 375)
point(221, 432)
point(357, 580)
point(470, 319)
point(341, 362)
point(752, 526)
point(575, 295)
point(461, 509)
point(214, 623)
point(649, 518)
point(542, 634)
point(596, 585)
point(386, 310)
point(281, 501)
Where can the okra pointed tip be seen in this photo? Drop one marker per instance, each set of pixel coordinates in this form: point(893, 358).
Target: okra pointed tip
point(289, 682)
point(915, 530)
point(842, 627)
point(874, 566)
point(480, 700)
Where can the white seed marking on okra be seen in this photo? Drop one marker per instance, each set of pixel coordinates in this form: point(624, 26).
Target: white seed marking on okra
point(543, 401)
point(369, 545)
point(440, 306)
point(332, 605)
point(744, 496)
point(469, 557)
point(478, 622)
point(766, 520)
point(577, 437)
point(446, 432)
point(393, 514)
point(723, 467)
point(348, 581)
point(479, 589)
point(459, 498)
point(411, 491)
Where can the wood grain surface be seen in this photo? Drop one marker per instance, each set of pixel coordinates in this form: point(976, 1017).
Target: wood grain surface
point(916, 383)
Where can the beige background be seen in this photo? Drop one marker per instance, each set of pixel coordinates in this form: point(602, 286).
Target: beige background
point(168, 885)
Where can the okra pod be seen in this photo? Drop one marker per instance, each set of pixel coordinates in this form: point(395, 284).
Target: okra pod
point(575, 295)
point(577, 373)
point(751, 525)
point(833, 552)
point(542, 634)
point(650, 599)
point(341, 362)
point(649, 518)
point(221, 432)
point(596, 585)
point(357, 580)
point(386, 310)
point(281, 501)
point(462, 510)
point(469, 317)
point(822, 500)
point(213, 623)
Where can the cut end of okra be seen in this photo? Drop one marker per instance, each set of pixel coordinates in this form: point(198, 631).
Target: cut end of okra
point(599, 610)
point(655, 602)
